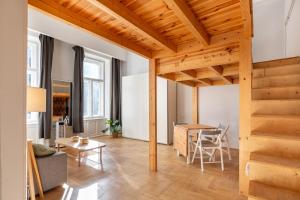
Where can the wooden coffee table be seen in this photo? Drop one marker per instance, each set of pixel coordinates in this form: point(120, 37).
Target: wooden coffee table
point(80, 148)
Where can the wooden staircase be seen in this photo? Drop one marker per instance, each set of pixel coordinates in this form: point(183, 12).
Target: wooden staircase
point(274, 166)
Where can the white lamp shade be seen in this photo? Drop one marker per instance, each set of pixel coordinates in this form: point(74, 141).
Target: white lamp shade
point(36, 99)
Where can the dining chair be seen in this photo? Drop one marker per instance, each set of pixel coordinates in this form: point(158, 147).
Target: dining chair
point(224, 139)
point(208, 148)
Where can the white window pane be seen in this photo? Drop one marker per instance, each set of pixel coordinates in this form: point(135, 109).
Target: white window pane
point(96, 98)
point(29, 56)
point(93, 69)
point(87, 98)
point(32, 78)
point(101, 99)
point(32, 55)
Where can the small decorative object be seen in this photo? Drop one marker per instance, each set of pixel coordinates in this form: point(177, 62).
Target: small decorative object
point(75, 138)
point(84, 140)
point(67, 121)
point(114, 127)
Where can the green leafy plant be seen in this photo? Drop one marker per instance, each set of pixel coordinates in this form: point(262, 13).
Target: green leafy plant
point(114, 127)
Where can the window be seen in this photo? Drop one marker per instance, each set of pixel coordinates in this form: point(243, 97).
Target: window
point(93, 73)
point(33, 70)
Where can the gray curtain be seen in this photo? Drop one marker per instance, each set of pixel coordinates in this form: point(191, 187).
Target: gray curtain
point(115, 106)
point(77, 93)
point(45, 119)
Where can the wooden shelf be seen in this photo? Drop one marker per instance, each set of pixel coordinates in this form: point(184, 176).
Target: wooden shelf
point(258, 157)
point(275, 136)
point(263, 191)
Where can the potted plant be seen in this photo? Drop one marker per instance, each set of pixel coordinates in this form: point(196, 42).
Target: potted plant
point(114, 127)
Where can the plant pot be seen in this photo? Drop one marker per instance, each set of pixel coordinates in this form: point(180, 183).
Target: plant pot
point(115, 135)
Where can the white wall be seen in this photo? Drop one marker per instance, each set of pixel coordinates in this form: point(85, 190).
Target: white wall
point(135, 108)
point(73, 35)
point(184, 103)
point(293, 29)
point(220, 104)
point(13, 40)
point(135, 64)
point(268, 40)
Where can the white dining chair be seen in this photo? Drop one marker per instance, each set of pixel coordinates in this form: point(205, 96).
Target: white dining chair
point(224, 139)
point(208, 148)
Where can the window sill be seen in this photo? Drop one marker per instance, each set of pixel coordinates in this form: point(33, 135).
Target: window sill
point(94, 118)
point(32, 123)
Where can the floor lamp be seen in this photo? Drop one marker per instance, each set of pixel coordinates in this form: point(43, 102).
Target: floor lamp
point(36, 102)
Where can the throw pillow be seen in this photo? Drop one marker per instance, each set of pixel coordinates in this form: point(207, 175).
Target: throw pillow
point(42, 150)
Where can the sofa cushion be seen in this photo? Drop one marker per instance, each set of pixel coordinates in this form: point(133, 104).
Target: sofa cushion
point(42, 150)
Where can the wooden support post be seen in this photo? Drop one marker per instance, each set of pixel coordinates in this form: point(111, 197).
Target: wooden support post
point(152, 116)
point(195, 105)
point(245, 80)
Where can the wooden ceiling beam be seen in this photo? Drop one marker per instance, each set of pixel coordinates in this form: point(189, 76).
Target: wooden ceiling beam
point(187, 16)
point(170, 76)
point(218, 82)
point(190, 73)
point(217, 41)
point(56, 10)
point(190, 62)
point(206, 82)
point(188, 83)
point(219, 72)
point(217, 69)
point(247, 16)
point(229, 70)
point(121, 12)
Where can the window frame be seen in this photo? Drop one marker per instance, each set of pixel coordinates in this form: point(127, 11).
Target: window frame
point(37, 71)
point(95, 59)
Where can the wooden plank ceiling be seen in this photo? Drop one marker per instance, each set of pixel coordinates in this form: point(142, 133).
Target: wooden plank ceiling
point(195, 42)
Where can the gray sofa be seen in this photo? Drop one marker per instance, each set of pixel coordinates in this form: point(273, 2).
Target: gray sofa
point(53, 171)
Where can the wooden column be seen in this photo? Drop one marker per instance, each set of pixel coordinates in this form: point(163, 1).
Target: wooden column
point(245, 79)
point(152, 116)
point(195, 105)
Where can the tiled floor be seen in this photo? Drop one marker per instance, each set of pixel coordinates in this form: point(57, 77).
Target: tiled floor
point(126, 176)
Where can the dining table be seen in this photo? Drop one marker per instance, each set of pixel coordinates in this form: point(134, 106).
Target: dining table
point(182, 132)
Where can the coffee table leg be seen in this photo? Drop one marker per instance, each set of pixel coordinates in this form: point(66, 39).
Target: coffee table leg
point(100, 156)
point(79, 158)
point(58, 147)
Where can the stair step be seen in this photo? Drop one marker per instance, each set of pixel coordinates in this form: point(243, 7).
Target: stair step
point(260, 190)
point(277, 62)
point(281, 124)
point(284, 92)
point(276, 106)
point(276, 136)
point(281, 145)
point(276, 81)
point(277, 71)
point(258, 157)
point(275, 170)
